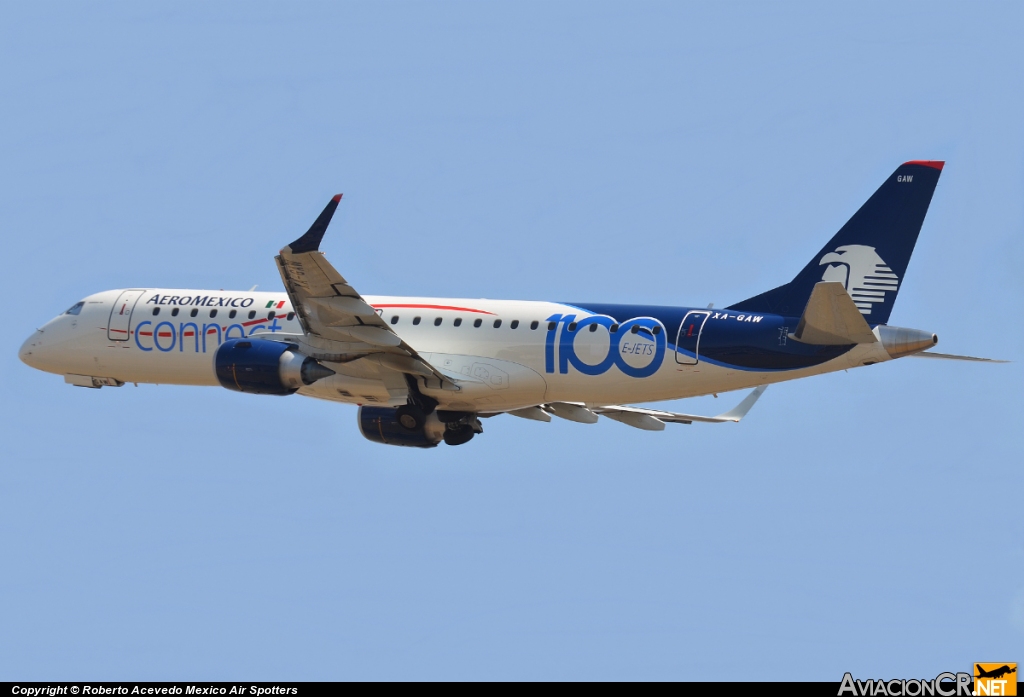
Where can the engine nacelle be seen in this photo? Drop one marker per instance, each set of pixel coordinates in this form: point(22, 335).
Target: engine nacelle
point(385, 425)
point(259, 366)
point(410, 426)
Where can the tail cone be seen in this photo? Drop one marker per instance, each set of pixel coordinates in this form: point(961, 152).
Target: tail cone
point(899, 342)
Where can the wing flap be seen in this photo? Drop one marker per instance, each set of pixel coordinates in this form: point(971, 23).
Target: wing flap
point(532, 413)
point(644, 422)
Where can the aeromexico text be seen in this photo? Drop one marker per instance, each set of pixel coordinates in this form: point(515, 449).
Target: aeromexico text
point(199, 300)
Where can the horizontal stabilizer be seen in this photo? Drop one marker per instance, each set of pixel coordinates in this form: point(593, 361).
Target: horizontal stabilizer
point(832, 319)
point(952, 357)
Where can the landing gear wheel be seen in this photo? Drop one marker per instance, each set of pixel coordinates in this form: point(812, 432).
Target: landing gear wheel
point(410, 417)
point(458, 436)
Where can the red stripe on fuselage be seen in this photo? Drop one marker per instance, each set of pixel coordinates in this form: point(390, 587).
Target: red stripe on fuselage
point(210, 330)
point(438, 307)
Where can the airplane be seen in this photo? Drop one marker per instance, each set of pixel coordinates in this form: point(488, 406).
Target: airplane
point(427, 370)
point(995, 673)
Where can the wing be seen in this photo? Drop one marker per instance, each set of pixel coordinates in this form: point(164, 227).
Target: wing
point(655, 419)
point(333, 312)
point(637, 417)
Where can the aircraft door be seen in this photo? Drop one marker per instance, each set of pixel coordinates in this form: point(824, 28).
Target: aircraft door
point(688, 339)
point(121, 315)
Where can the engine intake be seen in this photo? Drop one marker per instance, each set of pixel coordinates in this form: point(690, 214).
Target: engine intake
point(259, 366)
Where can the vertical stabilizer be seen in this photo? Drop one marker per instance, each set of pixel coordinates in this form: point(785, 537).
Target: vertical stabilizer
point(870, 254)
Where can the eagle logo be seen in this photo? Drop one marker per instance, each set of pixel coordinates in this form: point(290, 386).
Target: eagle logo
point(866, 277)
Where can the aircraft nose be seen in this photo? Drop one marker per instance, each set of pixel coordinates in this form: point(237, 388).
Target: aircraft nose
point(29, 351)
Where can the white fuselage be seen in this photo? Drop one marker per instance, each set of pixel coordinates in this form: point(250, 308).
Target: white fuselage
point(503, 352)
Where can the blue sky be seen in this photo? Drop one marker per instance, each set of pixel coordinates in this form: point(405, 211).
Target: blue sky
point(651, 153)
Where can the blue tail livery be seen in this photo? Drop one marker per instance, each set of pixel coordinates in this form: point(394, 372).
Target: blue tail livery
point(870, 254)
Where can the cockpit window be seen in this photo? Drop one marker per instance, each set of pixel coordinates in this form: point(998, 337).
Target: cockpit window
point(75, 309)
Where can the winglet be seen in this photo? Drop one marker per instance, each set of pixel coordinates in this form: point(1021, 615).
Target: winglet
point(310, 242)
point(741, 409)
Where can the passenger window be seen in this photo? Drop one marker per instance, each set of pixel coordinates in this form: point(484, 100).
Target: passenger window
point(457, 322)
point(174, 312)
point(614, 328)
point(437, 322)
point(156, 311)
point(635, 329)
point(195, 311)
point(75, 309)
point(534, 324)
point(415, 320)
point(271, 315)
point(593, 327)
point(394, 319)
point(551, 326)
point(231, 314)
point(515, 324)
point(656, 331)
point(213, 313)
point(290, 317)
point(572, 326)
point(497, 323)
point(477, 322)
point(252, 313)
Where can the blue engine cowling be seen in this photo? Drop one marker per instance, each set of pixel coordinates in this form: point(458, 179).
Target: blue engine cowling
point(258, 366)
point(381, 425)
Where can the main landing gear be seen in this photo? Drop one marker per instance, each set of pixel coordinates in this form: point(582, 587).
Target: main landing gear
point(411, 417)
point(459, 426)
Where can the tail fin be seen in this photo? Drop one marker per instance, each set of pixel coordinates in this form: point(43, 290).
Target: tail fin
point(869, 255)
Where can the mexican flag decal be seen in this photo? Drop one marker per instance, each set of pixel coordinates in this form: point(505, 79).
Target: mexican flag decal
point(277, 305)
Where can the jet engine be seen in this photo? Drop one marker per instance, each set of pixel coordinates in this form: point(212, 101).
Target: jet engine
point(410, 426)
point(259, 366)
